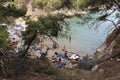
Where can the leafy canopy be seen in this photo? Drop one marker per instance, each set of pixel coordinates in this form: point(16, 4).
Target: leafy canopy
point(50, 25)
point(3, 37)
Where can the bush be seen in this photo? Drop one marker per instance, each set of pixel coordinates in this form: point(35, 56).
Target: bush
point(12, 10)
point(3, 37)
point(41, 3)
point(48, 5)
point(80, 3)
point(16, 12)
point(18, 67)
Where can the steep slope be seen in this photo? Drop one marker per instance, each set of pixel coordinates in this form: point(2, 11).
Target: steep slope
point(107, 70)
point(110, 48)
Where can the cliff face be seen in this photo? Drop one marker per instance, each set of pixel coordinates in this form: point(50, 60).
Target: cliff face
point(111, 46)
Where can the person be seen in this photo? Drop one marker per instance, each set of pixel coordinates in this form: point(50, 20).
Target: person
point(37, 47)
point(45, 53)
point(59, 61)
point(86, 57)
point(62, 63)
point(55, 45)
point(54, 59)
point(74, 58)
point(59, 54)
point(69, 38)
point(66, 56)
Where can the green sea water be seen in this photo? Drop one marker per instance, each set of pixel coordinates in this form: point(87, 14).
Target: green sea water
point(87, 33)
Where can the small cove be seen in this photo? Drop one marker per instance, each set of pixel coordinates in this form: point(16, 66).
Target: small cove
point(87, 34)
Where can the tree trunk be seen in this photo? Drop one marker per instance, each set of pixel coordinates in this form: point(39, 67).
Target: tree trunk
point(28, 45)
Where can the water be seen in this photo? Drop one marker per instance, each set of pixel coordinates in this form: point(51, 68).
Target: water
point(87, 34)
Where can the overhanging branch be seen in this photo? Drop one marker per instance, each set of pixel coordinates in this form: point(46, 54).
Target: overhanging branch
point(112, 23)
point(116, 3)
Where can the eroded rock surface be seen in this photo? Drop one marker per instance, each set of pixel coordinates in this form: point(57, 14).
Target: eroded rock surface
point(110, 48)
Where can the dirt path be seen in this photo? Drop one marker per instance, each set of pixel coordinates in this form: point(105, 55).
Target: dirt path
point(34, 13)
point(29, 8)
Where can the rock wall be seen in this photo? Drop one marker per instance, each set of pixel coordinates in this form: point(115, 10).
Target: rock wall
point(110, 48)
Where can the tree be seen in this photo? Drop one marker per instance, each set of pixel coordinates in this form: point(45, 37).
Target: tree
point(3, 37)
point(7, 15)
point(50, 25)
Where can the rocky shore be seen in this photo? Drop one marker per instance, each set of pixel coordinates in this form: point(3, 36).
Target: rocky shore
point(110, 48)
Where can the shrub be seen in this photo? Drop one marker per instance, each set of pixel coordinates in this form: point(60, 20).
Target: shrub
point(3, 37)
point(80, 3)
point(16, 12)
point(18, 67)
point(12, 10)
point(41, 3)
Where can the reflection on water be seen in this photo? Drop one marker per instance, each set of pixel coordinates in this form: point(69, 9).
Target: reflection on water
point(87, 34)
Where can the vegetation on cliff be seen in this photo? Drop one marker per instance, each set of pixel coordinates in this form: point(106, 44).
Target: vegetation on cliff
point(3, 37)
point(16, 67)
point(10, 12)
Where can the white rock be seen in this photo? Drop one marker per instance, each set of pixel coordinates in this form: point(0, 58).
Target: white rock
point(94, 68)
point(118, 59)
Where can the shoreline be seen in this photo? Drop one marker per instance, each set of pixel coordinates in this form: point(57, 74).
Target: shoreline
point(48, 43)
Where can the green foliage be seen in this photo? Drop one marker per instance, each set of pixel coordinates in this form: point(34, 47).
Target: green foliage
point(51, 25)
point(44, 67)
point(3, 37)
point(41, 3)
point(1, 1)
point(53, 4)
point(4, 18)
point(57, 4)
point(7, 15)
point(16, 11)
point(17, 67)
point(80, 3)
point(49, 5)
point(66, 3)
point(12, 10)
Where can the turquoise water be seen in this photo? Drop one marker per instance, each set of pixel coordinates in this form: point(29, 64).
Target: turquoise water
point(87, 34)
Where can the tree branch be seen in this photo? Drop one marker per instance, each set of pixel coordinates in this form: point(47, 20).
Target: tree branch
point(116, 3)
point(113, 23)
